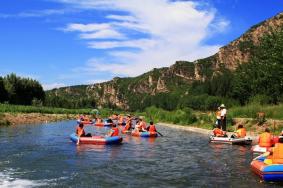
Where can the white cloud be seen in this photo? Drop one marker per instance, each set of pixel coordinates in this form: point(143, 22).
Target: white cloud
point(102, 34)
point(52, 86)
point(163, 31)
point(86, 27)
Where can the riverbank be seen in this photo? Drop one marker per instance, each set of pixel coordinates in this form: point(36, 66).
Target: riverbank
point(31, 118)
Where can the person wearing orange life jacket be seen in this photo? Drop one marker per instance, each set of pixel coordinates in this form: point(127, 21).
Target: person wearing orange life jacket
point(240, 132)
point(275, 156)
point(114, 131)
point(218, 132)
point(143, 125)
point(151, 128)
point(265, 139)
point(128, 123)
point(80, 132)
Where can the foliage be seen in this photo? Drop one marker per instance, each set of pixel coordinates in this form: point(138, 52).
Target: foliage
point(19, 90)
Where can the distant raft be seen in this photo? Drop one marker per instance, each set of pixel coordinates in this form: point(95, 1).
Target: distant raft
point(259, 149)
point(144, 134)
point(103, 124)
point(85, 122)
point(98, 140)
point(267, 172)
point(227, 140)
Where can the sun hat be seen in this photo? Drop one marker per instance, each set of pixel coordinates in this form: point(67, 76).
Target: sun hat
point(222, 106)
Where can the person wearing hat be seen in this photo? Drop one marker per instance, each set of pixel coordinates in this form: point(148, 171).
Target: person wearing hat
point(223, 115)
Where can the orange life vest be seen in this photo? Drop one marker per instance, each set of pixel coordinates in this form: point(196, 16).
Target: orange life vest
point(265, 140)
point(218, 114)
point(152, 128)
point(115, 131)
point(241, 133)
point(80, 131)
point(277, 156)
point(218, 132)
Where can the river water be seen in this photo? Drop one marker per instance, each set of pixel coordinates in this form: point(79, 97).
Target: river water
point(43, 156)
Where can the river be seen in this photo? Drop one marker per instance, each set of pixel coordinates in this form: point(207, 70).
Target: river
point(43, 156)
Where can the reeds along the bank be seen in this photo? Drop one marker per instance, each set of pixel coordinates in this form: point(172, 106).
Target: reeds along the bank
point(251, 110)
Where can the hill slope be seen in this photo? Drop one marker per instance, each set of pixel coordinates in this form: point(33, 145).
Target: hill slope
point(175, 82)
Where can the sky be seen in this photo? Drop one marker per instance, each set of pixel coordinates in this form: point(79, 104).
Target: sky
point(72, 42)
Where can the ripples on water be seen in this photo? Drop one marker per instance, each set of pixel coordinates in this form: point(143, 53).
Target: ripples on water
point(43, 156)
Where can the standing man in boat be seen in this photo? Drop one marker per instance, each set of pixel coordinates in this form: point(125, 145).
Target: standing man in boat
point(223, 117)
point(218, 117)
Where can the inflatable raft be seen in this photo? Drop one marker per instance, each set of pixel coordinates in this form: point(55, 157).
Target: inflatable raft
point(271, 172)
point(126, 132)
point(85, 122)
point(145, 134)
point(227, 140)
point(100, 140)
point(103, 124)
point(258, 149)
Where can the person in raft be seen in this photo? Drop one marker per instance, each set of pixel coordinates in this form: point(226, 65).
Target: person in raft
point(81, 132)
point(114, 131)
point(265, 139)
point(128, 123)
point(151, 127)
point(219, 132)
point(223, 117)
point(240, 132)
point(275, 156)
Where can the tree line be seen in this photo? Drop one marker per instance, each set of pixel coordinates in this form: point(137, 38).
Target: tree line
point(18, 90)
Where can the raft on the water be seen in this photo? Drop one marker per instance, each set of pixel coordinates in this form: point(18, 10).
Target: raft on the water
point(144, 134)
point(85, 122)
point(267, 172)
point(101, 140)
point(103, 124)
point(227, 140)
point(258, 149)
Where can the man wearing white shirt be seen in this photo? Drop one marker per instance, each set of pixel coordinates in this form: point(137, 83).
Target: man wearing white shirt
point(223, 117)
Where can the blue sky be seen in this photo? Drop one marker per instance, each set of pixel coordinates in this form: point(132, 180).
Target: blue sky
point(70, 42)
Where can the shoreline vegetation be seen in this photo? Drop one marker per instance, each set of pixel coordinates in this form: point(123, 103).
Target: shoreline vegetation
point(246, 115)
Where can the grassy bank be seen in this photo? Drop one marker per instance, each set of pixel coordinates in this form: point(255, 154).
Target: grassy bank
point(246, 115)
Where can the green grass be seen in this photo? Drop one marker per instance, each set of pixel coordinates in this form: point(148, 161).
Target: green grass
point(251, 110)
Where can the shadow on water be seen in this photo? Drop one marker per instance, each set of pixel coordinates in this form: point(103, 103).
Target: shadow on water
point(43, 156)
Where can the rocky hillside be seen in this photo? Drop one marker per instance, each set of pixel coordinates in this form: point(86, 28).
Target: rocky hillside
point(121, 92)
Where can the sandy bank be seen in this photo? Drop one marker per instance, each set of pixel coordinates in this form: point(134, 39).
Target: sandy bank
point(30, 118)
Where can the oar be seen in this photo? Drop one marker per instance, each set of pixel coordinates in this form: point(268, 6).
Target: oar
point(159, 133)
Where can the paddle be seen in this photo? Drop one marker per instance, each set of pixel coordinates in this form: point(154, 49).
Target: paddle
point(78, 142)
point(159, 133)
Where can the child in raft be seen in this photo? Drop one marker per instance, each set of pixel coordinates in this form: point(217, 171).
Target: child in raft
point(140, 126)
point(151, 127)
point(81, 132)
point(240, 132)
point(275, 156)
point(219, 132)
point(128, 123)
point(114, 131)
